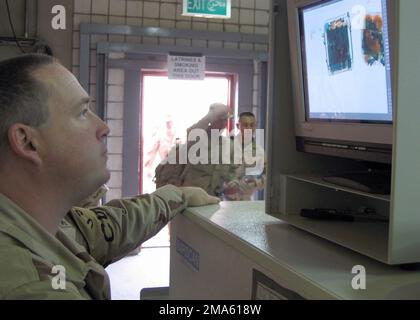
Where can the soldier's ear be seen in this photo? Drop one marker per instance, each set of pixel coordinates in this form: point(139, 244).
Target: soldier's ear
point(23, 143)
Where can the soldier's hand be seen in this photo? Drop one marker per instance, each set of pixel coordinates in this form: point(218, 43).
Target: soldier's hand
point(197, 197)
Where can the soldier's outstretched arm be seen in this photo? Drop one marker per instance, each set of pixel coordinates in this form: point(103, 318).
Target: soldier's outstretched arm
point(112, 231)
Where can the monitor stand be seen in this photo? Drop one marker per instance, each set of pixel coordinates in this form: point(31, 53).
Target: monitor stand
point(371, 181)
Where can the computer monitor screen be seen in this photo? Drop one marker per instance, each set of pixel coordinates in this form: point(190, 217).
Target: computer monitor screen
point(346, 61)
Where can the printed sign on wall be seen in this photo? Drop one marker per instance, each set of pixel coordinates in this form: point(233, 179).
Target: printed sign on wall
point(207, 8)
point(186, 67)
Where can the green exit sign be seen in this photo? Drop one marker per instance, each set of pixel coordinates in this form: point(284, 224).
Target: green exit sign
point(207, 8)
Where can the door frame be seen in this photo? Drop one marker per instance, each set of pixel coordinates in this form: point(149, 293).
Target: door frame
point(241, 67)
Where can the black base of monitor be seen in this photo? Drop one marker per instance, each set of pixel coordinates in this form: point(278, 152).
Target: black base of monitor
point(370, 181)
point(410, 266)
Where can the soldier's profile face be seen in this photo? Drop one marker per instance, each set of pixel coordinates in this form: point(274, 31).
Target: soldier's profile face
point(73, 138)
point(247, 122)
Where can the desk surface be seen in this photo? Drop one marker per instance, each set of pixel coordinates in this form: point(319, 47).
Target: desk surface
point(279, 247)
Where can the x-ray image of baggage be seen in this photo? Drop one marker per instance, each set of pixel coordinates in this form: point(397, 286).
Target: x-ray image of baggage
point(337, 41)
point(373, 42)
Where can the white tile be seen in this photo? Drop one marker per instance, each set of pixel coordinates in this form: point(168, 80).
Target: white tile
point(166, 23)
point(114, 110)
point(246, 46)
point(167, 41)
point(196, 43)
point(183, 25)
point(200, 26)
point(114, 145)
point(78, 19)
point(202, 19)
point(133, 39)
point(76, 57)
point(234, 16)
point(235, 3)
point(230, 45)
point(247, 29)
point(247, 3)
point(151, 9)
point(82, 6)
point(261, 30)
point(260, 47)
point(134, 9)
point(115, 93)
point(76, 39)
point(215, 44)
point(246, 16)
point(115, 127)
point(231, 28)
point(100, 6)
point(150, 22)
point(117, 20)
point(114, 162)
point(167, 11)
point(183, 42)
point(99, 19)
point(262, 4)
point(116, 180)
point(116, 76)
point(117, 8)
point(134, 21)
point(215, 26)
point(150, 40)
point(179, 15)
point(261, 17)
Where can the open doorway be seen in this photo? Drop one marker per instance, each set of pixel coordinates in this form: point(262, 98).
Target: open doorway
point(168, 108)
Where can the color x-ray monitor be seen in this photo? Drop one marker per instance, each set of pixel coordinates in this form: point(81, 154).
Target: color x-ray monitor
point(341, 60)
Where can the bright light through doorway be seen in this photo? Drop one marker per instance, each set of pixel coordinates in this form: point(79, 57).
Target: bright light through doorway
point(169, 108)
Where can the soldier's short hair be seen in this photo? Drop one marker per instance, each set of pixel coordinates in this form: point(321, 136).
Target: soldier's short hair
point(23, 98)
point(246, 114)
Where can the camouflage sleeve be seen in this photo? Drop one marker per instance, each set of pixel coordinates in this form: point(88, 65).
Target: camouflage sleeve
point(115, 229)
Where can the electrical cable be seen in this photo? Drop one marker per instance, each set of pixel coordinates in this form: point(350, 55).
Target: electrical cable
point(13, 29)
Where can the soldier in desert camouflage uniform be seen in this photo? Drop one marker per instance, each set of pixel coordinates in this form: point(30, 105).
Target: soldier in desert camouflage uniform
point(52, 156)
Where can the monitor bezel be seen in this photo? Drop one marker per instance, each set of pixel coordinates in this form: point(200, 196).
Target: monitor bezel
point(368, 132)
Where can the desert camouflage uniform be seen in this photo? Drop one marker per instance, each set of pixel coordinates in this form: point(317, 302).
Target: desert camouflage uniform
point(87, 241)
point(211, 177)
point(253, 175)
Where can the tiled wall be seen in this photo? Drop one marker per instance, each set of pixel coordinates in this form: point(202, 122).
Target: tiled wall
point(247, 16)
